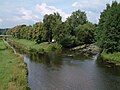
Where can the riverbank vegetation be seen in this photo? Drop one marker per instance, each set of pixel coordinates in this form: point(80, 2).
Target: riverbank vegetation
point(12, 70)
point(111, 57)
point(108, 33)
point(75, 31)
point(31, 46)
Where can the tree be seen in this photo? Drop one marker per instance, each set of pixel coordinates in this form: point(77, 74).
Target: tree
point(37, 33)
point(50, 24)
point(108, 32)
point(85, 33)
point(74, 31)
point(77, 18)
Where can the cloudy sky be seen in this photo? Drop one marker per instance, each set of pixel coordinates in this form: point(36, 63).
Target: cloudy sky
point(14, 12)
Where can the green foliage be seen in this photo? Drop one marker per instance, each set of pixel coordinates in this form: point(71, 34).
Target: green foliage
point(77, 18)
point(27, 32)
point(85, 33)
point(108, 32)
point(68, 41)
point(50, 24)
point(12, 70)
point(32, 46)
point(39, 39)
point(113, 58)
point(67, 33)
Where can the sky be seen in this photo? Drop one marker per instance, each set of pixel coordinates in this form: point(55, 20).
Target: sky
point(17, 12)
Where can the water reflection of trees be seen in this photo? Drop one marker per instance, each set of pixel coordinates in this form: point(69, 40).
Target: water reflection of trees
point(108, 67)
point(51, 60)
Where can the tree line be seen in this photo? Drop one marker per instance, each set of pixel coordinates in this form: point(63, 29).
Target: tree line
point(76, 30)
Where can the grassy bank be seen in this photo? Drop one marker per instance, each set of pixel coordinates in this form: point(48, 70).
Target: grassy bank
point(111, 58)
point(12, 70)
point(32, 46)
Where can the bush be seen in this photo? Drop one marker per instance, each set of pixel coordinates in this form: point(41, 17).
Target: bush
point(68, 41)
point(111, 57)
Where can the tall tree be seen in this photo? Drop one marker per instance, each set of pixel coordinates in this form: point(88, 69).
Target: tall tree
point(85, 33)
point(38, 32)
point(108, 32)
point(77, 18)
point(50, 24)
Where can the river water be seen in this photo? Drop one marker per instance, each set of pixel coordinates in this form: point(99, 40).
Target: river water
point(57, 72)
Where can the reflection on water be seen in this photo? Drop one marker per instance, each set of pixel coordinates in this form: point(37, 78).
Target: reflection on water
point(54, 72)
point(49, 60)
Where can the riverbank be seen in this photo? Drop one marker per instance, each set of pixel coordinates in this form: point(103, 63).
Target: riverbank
point(12, 70)
point(85, 50)
point(31, 46)
point(110, 59)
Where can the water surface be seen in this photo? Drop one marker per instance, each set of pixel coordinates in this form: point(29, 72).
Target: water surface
point(55, 72)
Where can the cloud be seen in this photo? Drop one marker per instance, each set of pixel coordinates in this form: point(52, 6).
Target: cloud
point(21, 16)
point(89, 4)
point(91, 7)
point(1, 20)
point(45, 9)
point(75, 4)
point(93, 16)
point(27, 15)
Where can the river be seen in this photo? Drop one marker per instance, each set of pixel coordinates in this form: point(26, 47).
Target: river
point(57, 72)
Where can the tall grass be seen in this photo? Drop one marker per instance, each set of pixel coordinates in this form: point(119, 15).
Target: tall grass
point(32, 46)
point(111, 57)
point(12, 70)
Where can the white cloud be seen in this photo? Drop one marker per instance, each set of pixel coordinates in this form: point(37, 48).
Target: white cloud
point(1, 20)
point(92, 16)
point(91, 7)
point(83, 4)
point(75, 4)
point(45, 9)
point(27, 15)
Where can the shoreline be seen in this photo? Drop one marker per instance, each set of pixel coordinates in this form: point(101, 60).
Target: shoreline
point(110, 60)
point(85, 49)
point(31, 46)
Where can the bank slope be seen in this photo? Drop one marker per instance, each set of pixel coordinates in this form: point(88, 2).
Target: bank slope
point(31, 46)
point(111, 58)
point(12, 70)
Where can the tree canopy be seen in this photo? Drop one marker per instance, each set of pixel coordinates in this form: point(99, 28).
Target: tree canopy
point(74, 31)
point(108, 32)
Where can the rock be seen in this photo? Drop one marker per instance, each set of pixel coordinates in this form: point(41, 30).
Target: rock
point(86, 48)
point(70, 55)
point(78, 47)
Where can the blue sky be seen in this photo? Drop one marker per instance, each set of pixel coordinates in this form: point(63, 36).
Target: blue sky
point(14, 12)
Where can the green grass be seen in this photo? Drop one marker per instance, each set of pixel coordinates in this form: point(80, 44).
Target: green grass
point(42, 47)
point(113, 58)
point(12, 70)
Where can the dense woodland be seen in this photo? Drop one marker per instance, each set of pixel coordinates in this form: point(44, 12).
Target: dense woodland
point(76, 30)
